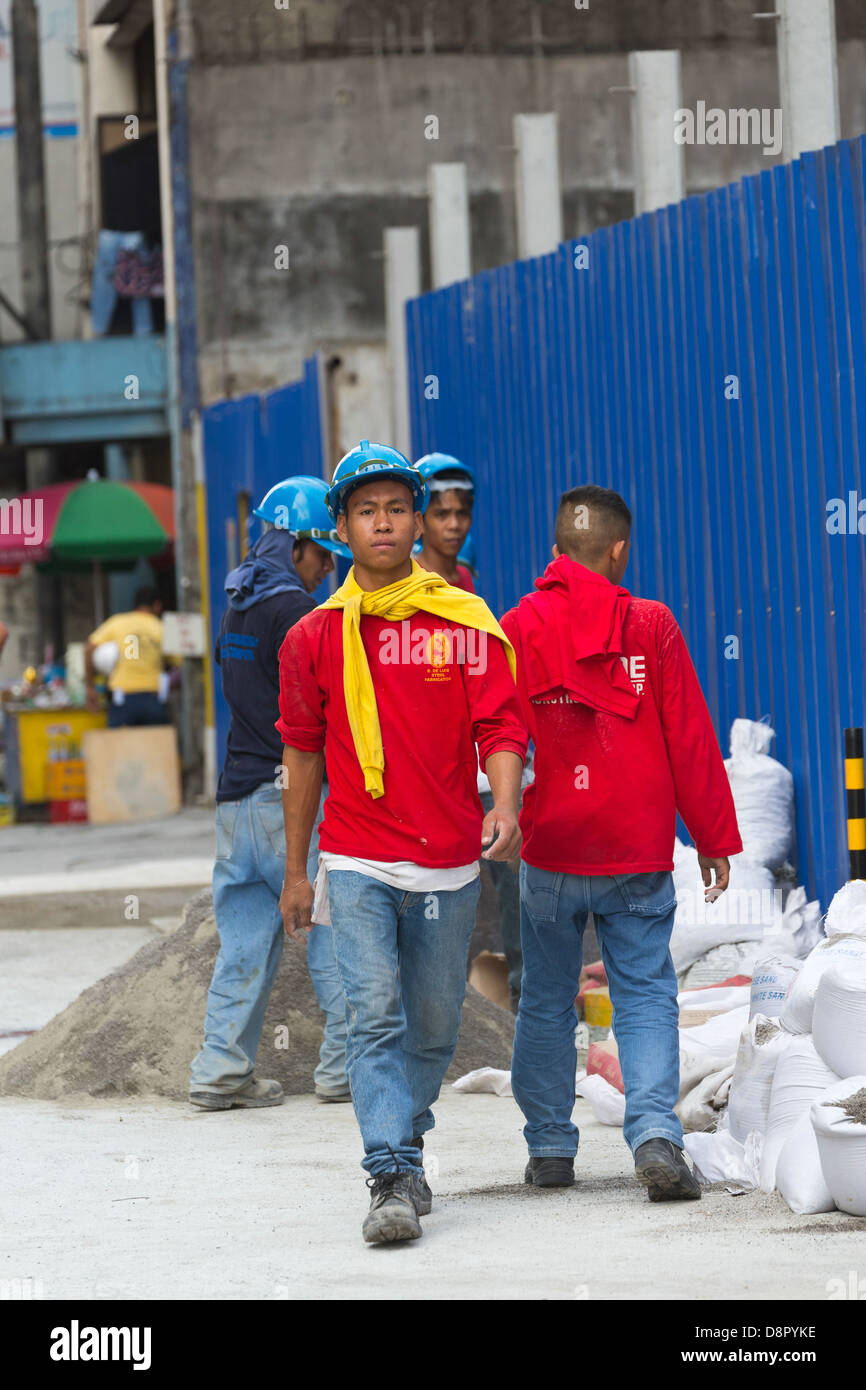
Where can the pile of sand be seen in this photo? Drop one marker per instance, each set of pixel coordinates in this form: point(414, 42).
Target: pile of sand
point(136, 1030)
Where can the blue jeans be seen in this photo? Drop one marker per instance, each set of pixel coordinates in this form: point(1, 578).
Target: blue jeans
point(247, 881)
point(103, 295)
point(139, 707)
point(508, 894)
point(402, 958)
point(634, 916)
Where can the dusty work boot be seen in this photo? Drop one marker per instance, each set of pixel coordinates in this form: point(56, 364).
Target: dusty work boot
point(423, 1194)
point(550, 1172)
point(250, 1096)
point(660, 1167)
point(393, 1215)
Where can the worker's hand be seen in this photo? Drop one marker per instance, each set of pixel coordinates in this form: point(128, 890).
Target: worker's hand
point(92, 700)
point(723, 873)
point(296, 904)
point(501, 824)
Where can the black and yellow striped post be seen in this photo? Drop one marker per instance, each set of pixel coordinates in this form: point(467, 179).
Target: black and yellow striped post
point(856, 799)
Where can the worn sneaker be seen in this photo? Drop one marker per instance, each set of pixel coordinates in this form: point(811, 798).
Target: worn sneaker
point(393, 1214)
point(660, 1167)
point(327, 1094)
point(253, 1094)
point(550, 1172)
point(423, 1194)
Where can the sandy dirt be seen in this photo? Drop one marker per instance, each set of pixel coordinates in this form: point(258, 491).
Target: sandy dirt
point(136, 1030)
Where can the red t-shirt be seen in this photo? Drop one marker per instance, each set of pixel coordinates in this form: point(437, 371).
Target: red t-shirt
point(607, 788)
point(431, 714)
point(464, 578)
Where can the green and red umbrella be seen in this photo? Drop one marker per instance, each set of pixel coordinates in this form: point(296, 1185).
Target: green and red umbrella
point(97, 521)
point(95, 524)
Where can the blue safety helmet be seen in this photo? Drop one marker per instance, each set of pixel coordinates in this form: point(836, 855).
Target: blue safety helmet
point(432, 464)
point(299, 505)
point(367, 463)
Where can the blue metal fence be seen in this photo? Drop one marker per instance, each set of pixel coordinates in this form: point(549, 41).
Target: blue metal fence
point(708, 362)
point(248, 445)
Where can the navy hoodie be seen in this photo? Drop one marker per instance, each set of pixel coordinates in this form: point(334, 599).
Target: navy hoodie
point(266, 598)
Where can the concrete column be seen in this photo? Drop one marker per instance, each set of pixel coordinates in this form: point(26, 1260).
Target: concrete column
point(808, 78)
point(402, 282)
point(30, 169)
point(659, 163)
point(539, 200)
point(449, 224)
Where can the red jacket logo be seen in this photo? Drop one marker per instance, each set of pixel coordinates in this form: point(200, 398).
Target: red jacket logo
point(635, 669)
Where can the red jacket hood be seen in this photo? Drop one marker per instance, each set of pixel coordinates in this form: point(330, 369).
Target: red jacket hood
point(571, 633)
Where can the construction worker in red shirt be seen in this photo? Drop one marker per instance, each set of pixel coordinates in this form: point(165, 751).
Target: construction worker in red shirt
point(446, 547)
point(623, 741)
point(396, 678)
point(446, 519)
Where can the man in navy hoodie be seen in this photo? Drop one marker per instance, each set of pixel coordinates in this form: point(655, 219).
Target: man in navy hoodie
point(623, 741)
point(267, 595)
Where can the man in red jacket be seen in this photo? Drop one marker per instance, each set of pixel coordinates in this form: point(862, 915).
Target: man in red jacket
point(623, 740)
point(396, 677)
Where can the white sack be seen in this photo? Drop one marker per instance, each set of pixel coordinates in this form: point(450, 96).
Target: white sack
point(722, 1158)
point(846, 915)
point(717, 1000)
point(800, 1077)
point(721, 963)
point(796, 1017)
point(772, 977)
point(709, 1046)
point(749, 907)
point(799, 928)
point(485, 1079)
point(763, 792)
point(842, 1146)
point(756, 1061)
point(699, 1111)
point(839, 1018)
point(799, 1176)
point(608, 1104)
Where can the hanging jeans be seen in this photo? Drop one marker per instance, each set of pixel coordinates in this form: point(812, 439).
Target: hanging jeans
point(247, 880)
point(104, 296)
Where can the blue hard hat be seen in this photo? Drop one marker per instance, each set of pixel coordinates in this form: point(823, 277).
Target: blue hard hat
point(299, 505)
point(432, 464)
point(367, 463)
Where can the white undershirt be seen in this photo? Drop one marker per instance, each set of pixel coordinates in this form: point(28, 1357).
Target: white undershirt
point(403, 873)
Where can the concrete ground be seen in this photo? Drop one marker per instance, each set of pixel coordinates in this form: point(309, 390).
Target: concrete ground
point(78, 900)
point(158, 1201)
point(151, 1200)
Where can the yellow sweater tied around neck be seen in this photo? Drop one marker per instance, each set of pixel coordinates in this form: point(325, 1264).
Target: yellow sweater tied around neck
point(421, 591)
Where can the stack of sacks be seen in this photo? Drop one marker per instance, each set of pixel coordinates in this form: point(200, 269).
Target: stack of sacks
point(844, 945)
point(815, 1140)
point(790, 1065)
point(712, 941)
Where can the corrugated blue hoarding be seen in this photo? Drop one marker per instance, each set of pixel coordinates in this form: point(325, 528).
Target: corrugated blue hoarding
point(708, 362)
point(248, 445)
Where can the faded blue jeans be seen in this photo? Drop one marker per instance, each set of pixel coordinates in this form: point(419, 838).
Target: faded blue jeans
point(103, 295)
point(402, 958)
point(634, 915)
point(247, 881)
